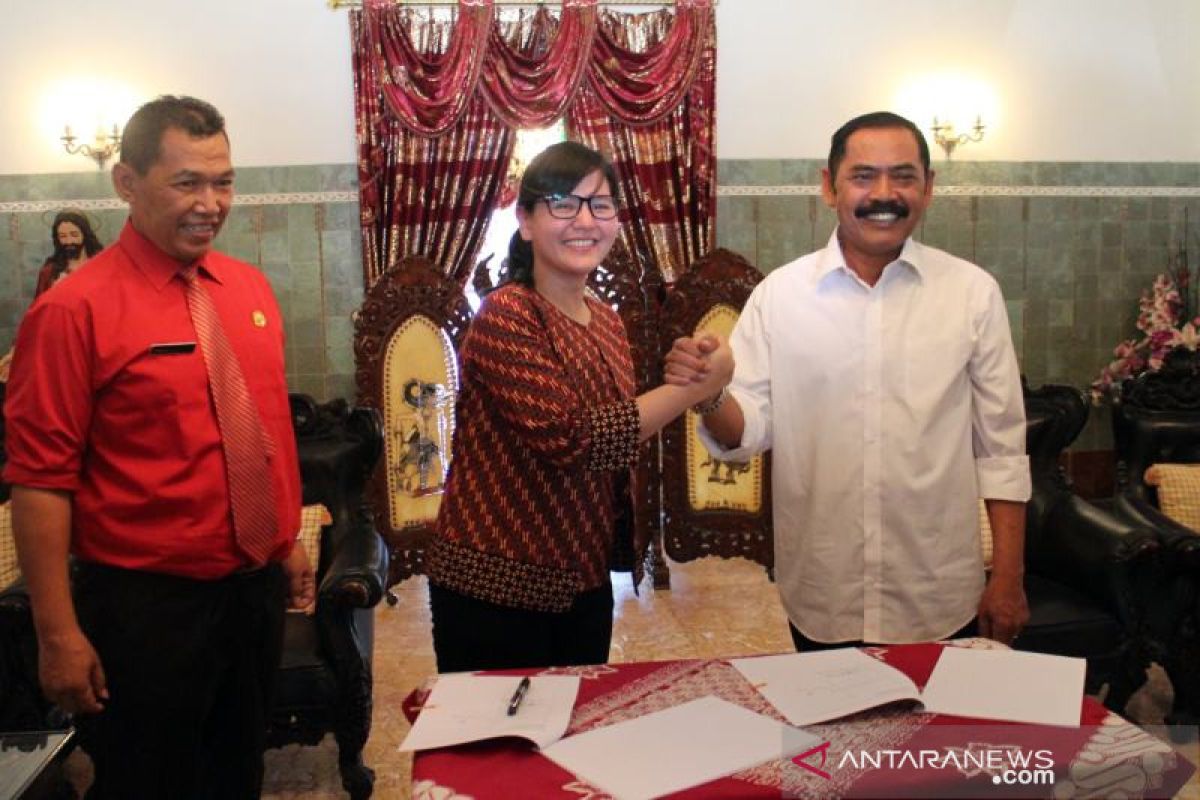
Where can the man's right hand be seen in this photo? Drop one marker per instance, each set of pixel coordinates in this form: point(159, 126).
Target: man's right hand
point(68, 666)
point(71, 673)
point(719, 356)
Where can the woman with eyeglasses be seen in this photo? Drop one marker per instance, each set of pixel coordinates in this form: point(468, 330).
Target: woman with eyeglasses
point(548, 429)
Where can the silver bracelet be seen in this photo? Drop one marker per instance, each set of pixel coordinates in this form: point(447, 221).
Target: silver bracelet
point(712, 404)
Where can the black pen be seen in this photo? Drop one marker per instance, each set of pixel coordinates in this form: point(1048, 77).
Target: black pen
point(518, 696)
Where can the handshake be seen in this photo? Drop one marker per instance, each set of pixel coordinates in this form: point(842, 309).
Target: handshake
point(703, 364)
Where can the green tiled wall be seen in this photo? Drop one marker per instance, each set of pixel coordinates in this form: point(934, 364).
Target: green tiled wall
point(1071, 267)
point(310, 251)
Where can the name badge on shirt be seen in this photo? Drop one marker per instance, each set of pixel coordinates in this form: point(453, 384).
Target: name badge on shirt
point(259, 318)
point(172, 348)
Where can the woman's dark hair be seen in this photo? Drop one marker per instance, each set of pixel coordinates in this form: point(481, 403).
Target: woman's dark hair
point(557, 170)
point(91, 242)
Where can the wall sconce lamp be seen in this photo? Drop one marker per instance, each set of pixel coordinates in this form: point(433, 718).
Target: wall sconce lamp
point(102, 148)
point(943, 134)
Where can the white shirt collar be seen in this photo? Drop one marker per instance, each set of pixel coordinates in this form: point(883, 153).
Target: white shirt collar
point(831, 258)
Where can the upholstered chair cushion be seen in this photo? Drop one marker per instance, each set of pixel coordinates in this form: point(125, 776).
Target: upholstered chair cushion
point(1178, 487)
point(985, 535)
point(313, 520)
point(9, 571)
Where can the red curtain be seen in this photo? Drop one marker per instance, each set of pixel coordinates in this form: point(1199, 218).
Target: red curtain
point(426, 89)
point(536, 65)
point(428, 191)
point(662, 146)
point(436, 104)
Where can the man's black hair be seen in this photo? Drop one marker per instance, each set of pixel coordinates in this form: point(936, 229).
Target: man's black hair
point(876, 119)
point(141, 141)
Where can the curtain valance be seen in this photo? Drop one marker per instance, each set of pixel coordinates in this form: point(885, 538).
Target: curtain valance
point(529, 72)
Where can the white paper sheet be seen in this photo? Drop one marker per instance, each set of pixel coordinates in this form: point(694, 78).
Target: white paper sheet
point(808, 688)
point(1007, 685)
point(680, 747)
point(467, 708)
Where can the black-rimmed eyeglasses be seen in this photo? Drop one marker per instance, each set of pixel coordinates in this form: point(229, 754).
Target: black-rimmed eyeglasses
point(566, 206)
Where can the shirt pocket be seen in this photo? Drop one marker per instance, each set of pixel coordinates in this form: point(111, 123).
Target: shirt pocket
point(158, 401)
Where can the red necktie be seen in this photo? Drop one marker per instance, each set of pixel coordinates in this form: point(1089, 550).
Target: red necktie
point(247, 446)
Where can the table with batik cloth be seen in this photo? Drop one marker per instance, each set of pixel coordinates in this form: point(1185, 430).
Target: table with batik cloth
point(1105, 757)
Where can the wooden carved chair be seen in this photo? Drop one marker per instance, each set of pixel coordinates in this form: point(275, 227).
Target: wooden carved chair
point(712, 508)
point(1156, 421)
point(1090, 576)
point(23, 707)
point(325, 681)
point(636, 289)
point(406, 336)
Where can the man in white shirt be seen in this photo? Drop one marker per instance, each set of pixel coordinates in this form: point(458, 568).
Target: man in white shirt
point(881, 374)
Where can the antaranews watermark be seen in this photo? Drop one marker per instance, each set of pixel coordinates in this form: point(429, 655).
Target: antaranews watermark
point(903, 757)
point(1025, 777)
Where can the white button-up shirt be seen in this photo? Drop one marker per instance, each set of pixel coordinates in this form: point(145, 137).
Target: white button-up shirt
point(889, 410)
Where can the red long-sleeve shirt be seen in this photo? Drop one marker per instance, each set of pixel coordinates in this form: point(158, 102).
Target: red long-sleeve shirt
point(94, 410)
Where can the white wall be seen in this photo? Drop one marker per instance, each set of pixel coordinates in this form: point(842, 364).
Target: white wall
point(1074, 80)
point(279, 70)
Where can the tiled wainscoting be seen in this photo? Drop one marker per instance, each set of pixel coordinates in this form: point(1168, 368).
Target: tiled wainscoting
point(300, 224)
point(1072, 244)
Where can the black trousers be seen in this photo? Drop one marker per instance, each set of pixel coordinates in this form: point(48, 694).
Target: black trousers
point(805, 644)
point(190, 666)
point(471, 634)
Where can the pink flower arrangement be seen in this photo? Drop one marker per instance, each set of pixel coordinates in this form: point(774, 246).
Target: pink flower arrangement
point(1162, 309)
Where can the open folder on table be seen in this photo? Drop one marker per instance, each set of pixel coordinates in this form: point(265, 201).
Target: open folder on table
point(808, 688)
point(469, 708)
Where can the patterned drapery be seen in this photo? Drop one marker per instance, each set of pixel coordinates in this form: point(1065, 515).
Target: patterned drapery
point(436, 104)
point(665, 158)
point(426, 84)
point(422, 195)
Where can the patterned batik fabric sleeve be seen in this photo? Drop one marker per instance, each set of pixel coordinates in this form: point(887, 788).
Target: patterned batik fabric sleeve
point(500, 580)
point(614, 431)
point(508, 355)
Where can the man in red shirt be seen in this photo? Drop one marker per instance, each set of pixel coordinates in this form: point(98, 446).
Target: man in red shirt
point(116, 456)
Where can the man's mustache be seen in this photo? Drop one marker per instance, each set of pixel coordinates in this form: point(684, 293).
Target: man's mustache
point(882, 207)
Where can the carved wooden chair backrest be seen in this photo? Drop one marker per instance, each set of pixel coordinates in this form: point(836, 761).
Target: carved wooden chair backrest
point(712, 507)
point(406, 336)
point(635, 288)
point(1156, 419)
